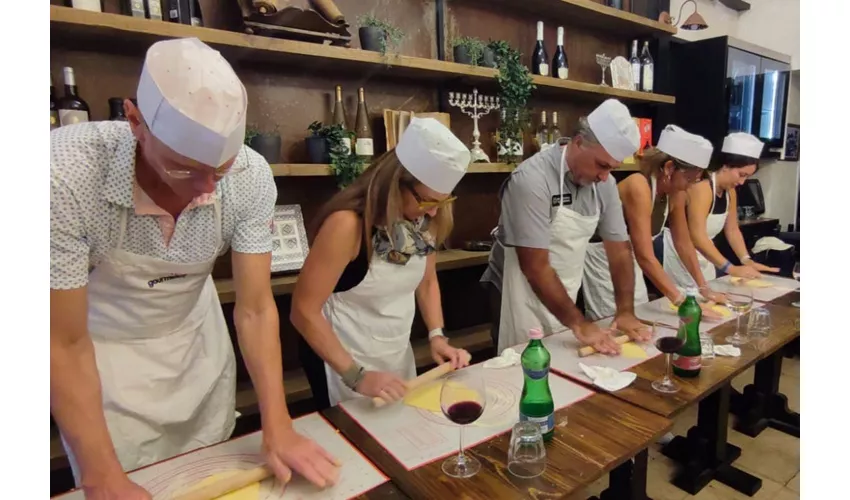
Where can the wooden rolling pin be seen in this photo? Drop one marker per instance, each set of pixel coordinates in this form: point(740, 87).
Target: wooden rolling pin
point(588, 350)
point(432, 374)
point(228, 484)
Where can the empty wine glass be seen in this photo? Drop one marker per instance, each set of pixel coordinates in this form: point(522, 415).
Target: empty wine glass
point(669, 345)
point(603, 61)
point(796, 274)
point(462, 399)
point(740, 300)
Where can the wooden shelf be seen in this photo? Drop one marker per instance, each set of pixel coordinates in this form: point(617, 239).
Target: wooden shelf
point(115, 32)
point(323, 170)
point(284, 285)
point(587, 13)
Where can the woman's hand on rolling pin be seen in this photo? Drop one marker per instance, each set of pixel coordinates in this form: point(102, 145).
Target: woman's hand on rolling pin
point(442, 352)
point(116, 488)
point(388, 386)
point(286, 450)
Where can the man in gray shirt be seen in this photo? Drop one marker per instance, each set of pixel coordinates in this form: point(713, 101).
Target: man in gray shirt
point(551, 206)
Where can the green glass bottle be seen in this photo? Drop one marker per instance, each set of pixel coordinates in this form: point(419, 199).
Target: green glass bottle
point(687, 362)
point(536, 404)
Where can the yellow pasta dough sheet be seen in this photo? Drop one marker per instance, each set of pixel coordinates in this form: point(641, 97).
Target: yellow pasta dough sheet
point(426, 397)
point(250, 492)
point(719, 309)
point(632, 350)
point(752, 283)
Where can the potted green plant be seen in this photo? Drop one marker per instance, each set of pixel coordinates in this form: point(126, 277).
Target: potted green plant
point(378, 35)
point(514, 91)
point(265, 143)
point(326, 145)
point(317, 143)
point(468, 50)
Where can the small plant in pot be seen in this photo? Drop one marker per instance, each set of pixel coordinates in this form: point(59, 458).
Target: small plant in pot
point(326, 145)
point(515, 89)
point(468, 50)
point(378, 35)
point(266, 143)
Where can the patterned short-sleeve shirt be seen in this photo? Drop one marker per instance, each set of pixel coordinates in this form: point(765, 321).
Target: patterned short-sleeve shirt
point(92, 169)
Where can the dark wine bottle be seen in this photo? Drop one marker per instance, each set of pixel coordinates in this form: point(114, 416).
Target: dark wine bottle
point(116, 109)
point(339, 116)
point(72, 108)
point(647, 69)
point(195, 17)
point(560, 66)
point(362, 129)
point(54, 115)
point(135, 8)
point(179, 11)
point(540, 60)
point(635, 62)
point(154, 9)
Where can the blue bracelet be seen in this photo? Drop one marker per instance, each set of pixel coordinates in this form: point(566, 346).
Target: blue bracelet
point(725, 267)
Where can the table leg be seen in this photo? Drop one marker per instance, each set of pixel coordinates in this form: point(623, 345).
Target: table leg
point(762, 405)
point(705, 455)
point(628, 480)
point(792, 349)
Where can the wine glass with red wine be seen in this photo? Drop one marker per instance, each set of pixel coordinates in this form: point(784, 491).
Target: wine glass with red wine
point(462, 399)
point(668, 345)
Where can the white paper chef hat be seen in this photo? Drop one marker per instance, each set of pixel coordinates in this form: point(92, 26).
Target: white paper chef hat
point(432, 153)
point(193, 101)
point(615, 129)
point(741, 143)
point(685, 146)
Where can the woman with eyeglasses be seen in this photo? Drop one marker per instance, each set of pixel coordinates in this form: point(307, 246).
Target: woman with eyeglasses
point(371, 262)
point(666, 172)
point(713, 208)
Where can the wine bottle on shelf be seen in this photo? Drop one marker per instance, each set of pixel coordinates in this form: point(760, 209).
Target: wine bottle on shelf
point(339, 116)
point(362, 129)
point(135, 8)
point(540, 60)
point(647, 69)
point(542, 135)
point(195, 17)
point(154, 9)
point(560, 66)
point(179, 11)
point(635, 62)
point(54, 115)
point(72, 108)
point(554, 131)
point(92, 5)
point(116, 109)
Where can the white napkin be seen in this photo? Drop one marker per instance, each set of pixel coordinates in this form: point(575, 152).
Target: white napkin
point(727, 350)
point(608, 378)
point(509, 357)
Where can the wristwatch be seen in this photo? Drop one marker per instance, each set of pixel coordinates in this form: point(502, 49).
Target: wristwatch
point(353, 376)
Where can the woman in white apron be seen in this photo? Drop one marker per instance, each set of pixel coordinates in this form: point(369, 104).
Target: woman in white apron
point(371, 262)
point(665, 172)
point(712, 208)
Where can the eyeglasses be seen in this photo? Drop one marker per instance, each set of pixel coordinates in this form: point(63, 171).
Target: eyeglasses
point(219, 173)
point(428, 204)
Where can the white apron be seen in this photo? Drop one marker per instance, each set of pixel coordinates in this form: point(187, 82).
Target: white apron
point(521, 309)
point(164, 355)
point(373, 320)
point(713, 226)
point(597, 286)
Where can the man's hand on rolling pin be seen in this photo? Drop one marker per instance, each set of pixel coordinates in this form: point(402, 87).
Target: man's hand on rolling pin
point(709, 294)
point(118, 488)
point(286, 450)
point(442, 352)
point(631, 326)
point(600, 339)
point(760, 267)
point(744, 272)
point(388, 386)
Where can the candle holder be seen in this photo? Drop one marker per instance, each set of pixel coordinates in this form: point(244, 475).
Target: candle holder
point(603, 61)
point(475, 106)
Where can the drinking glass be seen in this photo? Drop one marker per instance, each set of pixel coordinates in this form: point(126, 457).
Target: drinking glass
point(527, 452)
point(462, 399)
point(603, 61)
point(758, 326)
point(796, 274)
point(669, 345)
point(740, 300)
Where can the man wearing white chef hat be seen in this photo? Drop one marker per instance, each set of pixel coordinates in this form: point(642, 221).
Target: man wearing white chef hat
point(552, 205)
point(142, 365)
point(372, 261)
point(710, 203)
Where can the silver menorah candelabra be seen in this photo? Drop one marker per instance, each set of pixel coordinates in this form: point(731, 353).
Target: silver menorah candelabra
point(475, 106)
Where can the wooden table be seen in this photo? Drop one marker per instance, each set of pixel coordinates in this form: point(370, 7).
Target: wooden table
point(386, 491)
point(601, 435)
point(705, 453)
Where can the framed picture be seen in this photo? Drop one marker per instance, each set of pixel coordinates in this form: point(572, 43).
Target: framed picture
point(792, 142)
point(289, 239)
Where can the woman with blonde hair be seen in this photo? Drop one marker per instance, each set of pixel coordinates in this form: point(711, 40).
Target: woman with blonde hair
point(371, 261)
point(648, 196)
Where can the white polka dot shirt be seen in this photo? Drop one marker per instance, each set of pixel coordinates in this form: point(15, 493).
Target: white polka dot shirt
point(91, 182)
